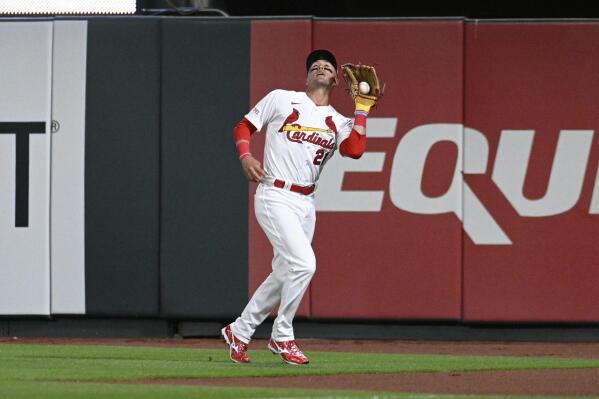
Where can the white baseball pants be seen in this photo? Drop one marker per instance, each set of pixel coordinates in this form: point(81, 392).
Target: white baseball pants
point(288, 220)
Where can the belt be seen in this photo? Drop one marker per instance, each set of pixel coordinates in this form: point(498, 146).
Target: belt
point(306, 190)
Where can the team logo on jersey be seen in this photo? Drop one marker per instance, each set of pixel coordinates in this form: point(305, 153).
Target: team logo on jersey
point(297, 133)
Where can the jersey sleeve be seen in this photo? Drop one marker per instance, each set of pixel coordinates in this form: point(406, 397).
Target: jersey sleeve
point(264, 111)
point(345, 130)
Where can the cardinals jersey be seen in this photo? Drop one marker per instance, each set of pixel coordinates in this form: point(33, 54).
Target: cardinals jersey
point(300, 136)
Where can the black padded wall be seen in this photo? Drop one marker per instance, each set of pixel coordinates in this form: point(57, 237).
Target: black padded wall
point(204, 196)
point(122, 167)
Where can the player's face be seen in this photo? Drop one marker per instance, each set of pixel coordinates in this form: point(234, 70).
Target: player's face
point(322, 73)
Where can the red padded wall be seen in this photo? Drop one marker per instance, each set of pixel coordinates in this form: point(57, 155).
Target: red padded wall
point(388, 264)
point(542, 77)
point(493, 78)
point(392, 264)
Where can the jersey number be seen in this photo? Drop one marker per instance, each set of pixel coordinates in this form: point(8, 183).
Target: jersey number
point(320, 154)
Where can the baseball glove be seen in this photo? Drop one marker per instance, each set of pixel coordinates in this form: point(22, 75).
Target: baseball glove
point(354, 74)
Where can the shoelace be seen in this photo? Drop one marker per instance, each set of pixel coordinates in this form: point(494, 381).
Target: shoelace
point(238, 346)
point(294, 349)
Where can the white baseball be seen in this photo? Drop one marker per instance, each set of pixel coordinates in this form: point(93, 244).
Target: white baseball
point(364, 87)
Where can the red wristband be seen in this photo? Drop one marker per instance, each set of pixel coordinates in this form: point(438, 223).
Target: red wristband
point(243, 149)
point(360, 118)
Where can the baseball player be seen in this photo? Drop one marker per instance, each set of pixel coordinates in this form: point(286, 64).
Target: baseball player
point(303, 131)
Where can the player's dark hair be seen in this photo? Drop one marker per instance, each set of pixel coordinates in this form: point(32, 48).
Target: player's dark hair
point(320, 55)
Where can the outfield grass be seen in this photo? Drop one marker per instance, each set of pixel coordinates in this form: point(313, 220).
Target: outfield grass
point(35, 371)
point(118, 391)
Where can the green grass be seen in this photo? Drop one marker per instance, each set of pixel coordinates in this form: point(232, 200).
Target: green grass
point(118, 391)
point(92, 363)
point(57, 371)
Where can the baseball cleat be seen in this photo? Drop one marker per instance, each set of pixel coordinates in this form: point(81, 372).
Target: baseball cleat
point(289, 351)
point(237, 348)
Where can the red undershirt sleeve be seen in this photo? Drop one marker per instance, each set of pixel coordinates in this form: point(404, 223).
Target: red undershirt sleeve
point(353, 146)
point(241, 135)
point(243, 130)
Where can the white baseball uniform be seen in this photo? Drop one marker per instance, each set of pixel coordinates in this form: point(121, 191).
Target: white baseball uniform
point(300, 138)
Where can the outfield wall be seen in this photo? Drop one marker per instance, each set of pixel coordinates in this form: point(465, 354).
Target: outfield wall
point(476, 201)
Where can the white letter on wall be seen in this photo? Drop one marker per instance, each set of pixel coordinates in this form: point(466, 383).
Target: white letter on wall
point(406, 179)
point(567, 172)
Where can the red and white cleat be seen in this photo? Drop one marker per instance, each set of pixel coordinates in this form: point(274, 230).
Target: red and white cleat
point(289, 351)
point(237, 348)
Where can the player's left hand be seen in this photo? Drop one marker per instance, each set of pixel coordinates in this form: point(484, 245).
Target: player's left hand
point(354, 74)
point(252, 169)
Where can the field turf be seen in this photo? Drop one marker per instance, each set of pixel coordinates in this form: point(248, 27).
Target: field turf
point(94, 371)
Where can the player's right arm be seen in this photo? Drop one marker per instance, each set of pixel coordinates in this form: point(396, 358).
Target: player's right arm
point(259, 116)
point(250, 165)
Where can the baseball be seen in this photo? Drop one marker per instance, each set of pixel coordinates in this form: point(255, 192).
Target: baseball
point(364, 87)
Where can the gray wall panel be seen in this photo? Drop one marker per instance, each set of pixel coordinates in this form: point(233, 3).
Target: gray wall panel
point(205, 92)
point(25, 114)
